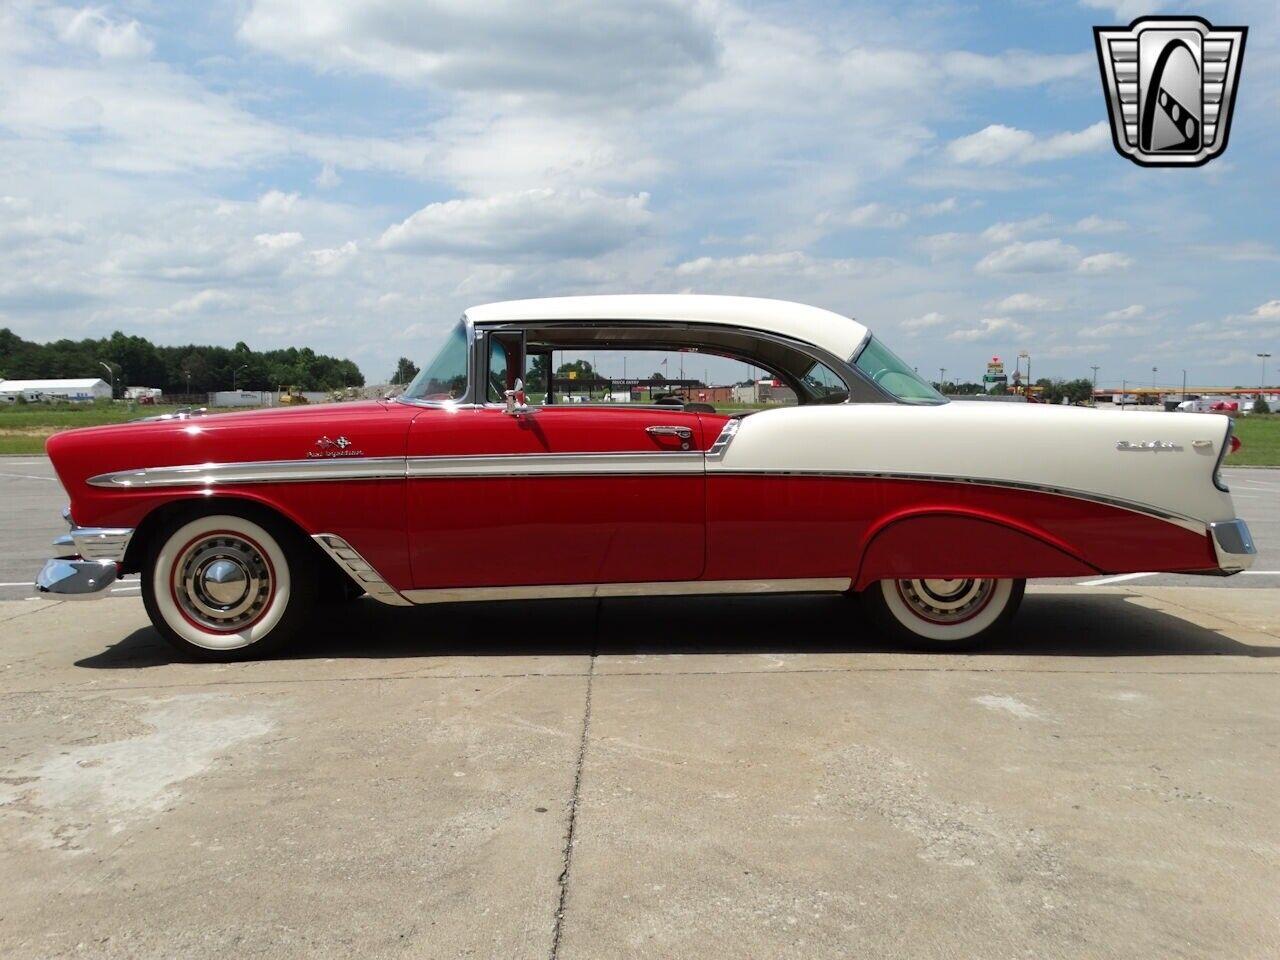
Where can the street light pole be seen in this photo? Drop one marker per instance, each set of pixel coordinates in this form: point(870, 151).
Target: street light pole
point(942, 377)
point(1184, 386)
point(110, 370)
point(1095, 368)
point(1262, 384)
point(235, 373)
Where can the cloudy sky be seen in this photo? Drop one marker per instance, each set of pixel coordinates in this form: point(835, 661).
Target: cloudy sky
point(351, 175)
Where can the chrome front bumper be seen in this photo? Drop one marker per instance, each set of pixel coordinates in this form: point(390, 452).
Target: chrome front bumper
point(69, 578)
point(91, 564)
point(1233, 545)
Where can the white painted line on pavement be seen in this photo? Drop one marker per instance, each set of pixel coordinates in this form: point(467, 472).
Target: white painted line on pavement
point(24, 583)
point(1262, 573)
point(28, 476)
point(1116, 579)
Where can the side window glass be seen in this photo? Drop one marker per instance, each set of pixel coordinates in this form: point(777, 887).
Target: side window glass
point(824, 385)
point(505, 365)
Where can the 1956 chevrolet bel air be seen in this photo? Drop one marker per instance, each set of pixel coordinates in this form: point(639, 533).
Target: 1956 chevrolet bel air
point(933, 512)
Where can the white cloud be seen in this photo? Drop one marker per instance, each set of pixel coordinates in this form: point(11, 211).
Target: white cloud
point(1095, 224)
point(327, 178)
point(640, 52)
point(1105, 263)
point(1125, 11)
point(997, 144)
point(278, 241)
point(111, 39)
point(1012, 229)
point(949, 205)
point(274, 201)
point(1115, 329)
point(793, 263)
point(1031, 256)
point(542, 224)
point(867, 215)
point(1125, 313)
point(206, 301)
point(989, 328)
point(1024, 303)
point(924, 322)
point(1049, 256)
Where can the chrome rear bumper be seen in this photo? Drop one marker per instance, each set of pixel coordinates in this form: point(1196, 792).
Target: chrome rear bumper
point(91, 566)
point(1233, 545)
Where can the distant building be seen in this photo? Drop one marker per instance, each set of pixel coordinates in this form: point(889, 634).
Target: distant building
point(33, 391)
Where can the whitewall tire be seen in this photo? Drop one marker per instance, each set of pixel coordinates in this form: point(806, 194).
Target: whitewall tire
point(225, 587)
point(943, 614)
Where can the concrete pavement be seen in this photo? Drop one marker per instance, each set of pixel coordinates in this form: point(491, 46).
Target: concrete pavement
point(753, 777)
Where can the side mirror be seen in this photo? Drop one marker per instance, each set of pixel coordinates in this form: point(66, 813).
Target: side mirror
point(516, 403)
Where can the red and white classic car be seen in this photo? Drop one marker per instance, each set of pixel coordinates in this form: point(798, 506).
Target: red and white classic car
point(935, 513)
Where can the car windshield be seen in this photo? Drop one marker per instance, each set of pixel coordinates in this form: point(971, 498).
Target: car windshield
point(884, 367)
point(445, 377)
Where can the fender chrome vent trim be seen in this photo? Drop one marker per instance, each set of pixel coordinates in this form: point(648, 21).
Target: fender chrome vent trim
point(359, 569)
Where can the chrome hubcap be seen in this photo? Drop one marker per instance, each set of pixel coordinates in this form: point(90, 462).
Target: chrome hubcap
point(222, 582)
point(945, 601)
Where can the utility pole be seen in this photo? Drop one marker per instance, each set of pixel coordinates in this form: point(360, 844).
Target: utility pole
point(1095, 368)
point(942, 377)
point(1184, 386)
point(1123, 386)
point(1262, 384)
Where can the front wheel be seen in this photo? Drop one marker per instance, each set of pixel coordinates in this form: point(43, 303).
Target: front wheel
point(224, 587)
point(943, 614)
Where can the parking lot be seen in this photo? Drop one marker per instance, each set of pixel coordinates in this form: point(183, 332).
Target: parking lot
point(749, 777)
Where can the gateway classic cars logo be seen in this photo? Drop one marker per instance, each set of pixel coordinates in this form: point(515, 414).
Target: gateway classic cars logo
point(1171, 86)
point(341, 447)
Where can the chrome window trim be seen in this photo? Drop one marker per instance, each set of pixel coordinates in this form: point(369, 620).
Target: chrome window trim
point(360, 570)
point(842, 368)
point(669, 588)
point(465, 398)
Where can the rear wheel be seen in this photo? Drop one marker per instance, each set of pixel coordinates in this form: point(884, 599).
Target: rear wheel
point(225, 587)
point(942, 614)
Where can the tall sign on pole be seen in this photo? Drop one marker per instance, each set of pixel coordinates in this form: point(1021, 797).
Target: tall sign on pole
point(995, 374)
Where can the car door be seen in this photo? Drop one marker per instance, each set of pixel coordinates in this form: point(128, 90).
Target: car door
point(565, 494)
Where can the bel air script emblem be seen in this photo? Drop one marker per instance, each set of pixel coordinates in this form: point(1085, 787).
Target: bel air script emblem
point(341, 447)
point(1171, 86)
point(1147, 445)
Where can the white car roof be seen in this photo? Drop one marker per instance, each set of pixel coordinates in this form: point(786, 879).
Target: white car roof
point(812, 325)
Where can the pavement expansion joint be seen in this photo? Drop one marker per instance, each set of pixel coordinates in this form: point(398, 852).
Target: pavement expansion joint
point(571, 833)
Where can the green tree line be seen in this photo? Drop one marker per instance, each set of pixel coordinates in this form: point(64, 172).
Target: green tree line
point(138, 362)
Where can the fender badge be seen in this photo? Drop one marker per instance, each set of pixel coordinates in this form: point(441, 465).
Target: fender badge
point(341, 447)
point(1148, 445)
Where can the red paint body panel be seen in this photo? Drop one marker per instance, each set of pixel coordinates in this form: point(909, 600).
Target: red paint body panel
point(494, 531)
point(771, 526)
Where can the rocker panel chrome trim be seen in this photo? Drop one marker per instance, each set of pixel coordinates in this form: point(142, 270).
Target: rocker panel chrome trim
point(675, 588)
point(359, 569)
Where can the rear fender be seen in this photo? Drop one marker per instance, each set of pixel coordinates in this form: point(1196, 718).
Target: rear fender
point(962, 543)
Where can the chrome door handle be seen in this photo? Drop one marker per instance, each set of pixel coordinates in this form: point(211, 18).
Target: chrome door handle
point(684, 433)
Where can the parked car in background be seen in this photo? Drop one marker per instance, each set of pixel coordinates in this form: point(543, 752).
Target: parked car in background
point(934, 513)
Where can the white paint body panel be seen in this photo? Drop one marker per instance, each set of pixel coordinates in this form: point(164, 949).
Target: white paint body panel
point(1067, 448)
point(829, 331)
